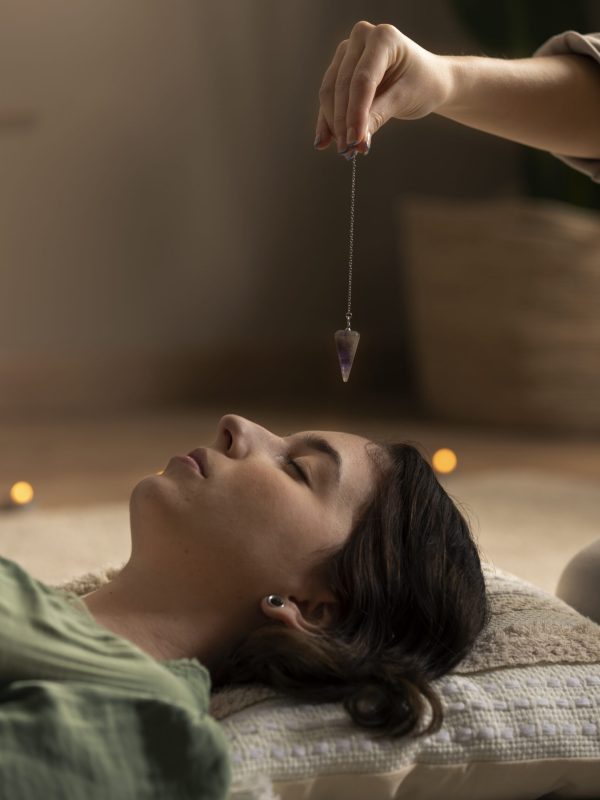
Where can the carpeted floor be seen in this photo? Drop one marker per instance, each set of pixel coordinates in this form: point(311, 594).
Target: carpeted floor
point(527, 522)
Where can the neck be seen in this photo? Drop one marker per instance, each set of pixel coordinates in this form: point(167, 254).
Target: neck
point(163, 621)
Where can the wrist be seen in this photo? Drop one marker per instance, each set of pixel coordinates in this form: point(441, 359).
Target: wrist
point(455, 71)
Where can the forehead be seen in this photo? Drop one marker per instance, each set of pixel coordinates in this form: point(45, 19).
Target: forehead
point(357, 453)
point(361, 463)
point(350, 443)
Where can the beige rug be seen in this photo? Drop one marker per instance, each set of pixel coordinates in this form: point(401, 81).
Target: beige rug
point(528, 523)
point(55, 545)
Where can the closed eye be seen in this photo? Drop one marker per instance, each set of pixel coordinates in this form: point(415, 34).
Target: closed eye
point(298, 469)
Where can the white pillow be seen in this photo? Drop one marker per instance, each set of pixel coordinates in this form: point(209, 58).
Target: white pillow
point(511, 733)
point(510, 730)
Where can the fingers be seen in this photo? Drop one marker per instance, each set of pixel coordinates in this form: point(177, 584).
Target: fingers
point(324, 135)
point(368, 74)
point(345, 77)
point(335, 87)
point(327, 92)
point(349, 88)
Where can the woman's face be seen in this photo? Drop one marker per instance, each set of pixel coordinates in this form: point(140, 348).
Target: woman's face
point(255, 522)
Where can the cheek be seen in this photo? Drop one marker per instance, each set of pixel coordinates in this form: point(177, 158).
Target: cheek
point(267, 512)
point(269, 526)
point(256, 496)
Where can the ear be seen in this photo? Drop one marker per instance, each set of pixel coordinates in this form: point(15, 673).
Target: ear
point(307, 615)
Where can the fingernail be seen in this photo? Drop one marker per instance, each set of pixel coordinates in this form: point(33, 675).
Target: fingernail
point(349, 156)
point(352, 137)
point(343, 152)
point(317, 140)
point(365, 152)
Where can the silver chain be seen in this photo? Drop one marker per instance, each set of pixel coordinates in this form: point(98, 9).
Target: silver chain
point(351, 250)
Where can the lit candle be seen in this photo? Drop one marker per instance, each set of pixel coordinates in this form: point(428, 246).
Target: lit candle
point(444, 460)
point(19, 496)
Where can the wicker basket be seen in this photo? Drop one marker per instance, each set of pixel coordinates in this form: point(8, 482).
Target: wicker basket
point(503, 298)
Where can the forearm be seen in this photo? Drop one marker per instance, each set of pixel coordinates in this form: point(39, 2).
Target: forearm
point(549, 102)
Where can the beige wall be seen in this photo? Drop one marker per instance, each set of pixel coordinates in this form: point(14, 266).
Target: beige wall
point(159, 193)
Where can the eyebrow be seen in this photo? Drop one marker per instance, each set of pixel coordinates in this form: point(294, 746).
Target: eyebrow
point(321, 445)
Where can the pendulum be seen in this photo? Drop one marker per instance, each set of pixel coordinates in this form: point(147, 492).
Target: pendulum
point(346, 341)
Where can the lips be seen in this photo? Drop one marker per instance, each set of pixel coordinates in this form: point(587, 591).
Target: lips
point(199, 457)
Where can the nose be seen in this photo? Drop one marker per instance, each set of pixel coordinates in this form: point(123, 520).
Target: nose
point(237, 435)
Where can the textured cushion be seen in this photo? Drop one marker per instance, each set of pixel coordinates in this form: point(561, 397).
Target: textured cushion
point(511, 733)
point(521, 720)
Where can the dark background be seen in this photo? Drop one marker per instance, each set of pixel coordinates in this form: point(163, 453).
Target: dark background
point(168, 235)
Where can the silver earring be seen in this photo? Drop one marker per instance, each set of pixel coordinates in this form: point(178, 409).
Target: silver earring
point(275, 600)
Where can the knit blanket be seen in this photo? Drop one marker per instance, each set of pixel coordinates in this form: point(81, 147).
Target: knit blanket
point(527, 626)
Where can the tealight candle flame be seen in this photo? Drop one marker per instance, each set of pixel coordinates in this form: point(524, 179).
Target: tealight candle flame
point(444, 460)
point(21, 493)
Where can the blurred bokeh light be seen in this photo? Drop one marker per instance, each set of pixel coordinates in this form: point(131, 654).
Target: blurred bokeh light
point(444, 460)
point(21, 493)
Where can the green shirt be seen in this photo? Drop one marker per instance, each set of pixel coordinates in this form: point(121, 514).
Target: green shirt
point(86, 714)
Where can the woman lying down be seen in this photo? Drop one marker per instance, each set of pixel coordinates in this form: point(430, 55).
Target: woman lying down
point(323, 564)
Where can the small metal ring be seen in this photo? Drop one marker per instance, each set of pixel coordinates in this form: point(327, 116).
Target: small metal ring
point(275, 600)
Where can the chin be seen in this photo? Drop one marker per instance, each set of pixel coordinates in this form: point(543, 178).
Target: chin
point(153, 500)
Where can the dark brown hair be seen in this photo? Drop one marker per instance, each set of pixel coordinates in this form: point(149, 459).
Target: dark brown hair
point(411, 602)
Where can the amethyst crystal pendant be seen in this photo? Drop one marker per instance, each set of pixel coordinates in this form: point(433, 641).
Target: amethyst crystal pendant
point(346, 343)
